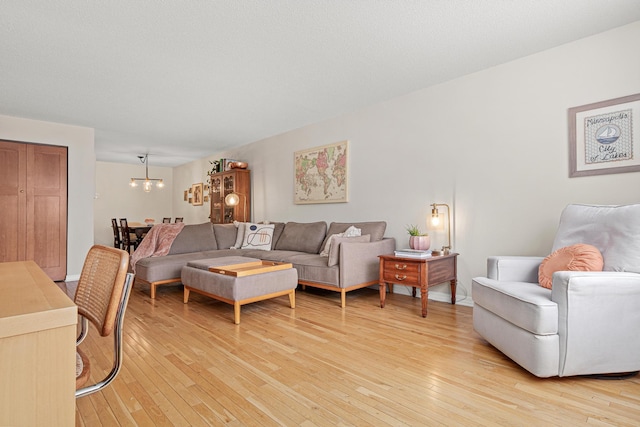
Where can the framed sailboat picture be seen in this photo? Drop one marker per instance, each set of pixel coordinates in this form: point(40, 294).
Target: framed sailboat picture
point(604, 137)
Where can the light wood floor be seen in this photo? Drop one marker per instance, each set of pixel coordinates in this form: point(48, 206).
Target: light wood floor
point(319, 365)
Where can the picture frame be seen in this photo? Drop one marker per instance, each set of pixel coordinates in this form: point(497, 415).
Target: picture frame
point(186, 195)
point(325, 184)
point(604, 137)
point(198, 195)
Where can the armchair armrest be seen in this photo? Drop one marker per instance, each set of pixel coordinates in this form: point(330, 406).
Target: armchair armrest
point(359, 262)
point(514, 268)
point(598, 321)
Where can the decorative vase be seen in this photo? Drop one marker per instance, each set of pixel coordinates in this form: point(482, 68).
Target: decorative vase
point(421, 243)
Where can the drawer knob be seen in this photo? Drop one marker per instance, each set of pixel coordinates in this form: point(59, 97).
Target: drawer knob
point(401, 267)
point(404, 276)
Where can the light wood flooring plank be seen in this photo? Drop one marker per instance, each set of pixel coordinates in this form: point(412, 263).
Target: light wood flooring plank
point(320, 365)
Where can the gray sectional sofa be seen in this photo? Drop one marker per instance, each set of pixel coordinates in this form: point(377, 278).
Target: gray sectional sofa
point(356, 262)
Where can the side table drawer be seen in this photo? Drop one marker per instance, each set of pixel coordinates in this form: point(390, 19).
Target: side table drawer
point(400, 272)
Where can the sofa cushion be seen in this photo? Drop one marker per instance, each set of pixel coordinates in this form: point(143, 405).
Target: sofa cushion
point(225, 235)
point(313, 268)
point(578, 257)
point(257, 236)
point(526, 305)
point(204, 264)
point(375, 229)
point(334, 251)
point(194, 238)
point(272, 255)
point(614, 230)
point(303, 237)
point(277, 231)
point(155, 269)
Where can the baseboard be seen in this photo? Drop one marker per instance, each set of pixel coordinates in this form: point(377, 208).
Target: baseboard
point(461, 298)
point(446, 297)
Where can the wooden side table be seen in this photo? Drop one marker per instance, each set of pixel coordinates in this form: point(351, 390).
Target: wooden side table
point(418, 273)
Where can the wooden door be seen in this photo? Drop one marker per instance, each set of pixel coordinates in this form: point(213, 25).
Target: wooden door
point(35, 191)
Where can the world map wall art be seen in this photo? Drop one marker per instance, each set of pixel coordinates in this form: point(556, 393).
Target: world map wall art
point(321, 174)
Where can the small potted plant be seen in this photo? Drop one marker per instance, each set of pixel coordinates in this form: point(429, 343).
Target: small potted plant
point(418, 240)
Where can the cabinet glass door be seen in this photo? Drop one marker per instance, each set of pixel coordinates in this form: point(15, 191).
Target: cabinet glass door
point(216, 200)
point(229, 187)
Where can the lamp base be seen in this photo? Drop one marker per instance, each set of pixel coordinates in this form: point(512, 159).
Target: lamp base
point(444, 251)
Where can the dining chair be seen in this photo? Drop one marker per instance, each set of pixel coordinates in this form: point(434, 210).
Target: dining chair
point(179, 219)
point(166, 220)
point(101, 296)
point(129, 239)
point(117, 240)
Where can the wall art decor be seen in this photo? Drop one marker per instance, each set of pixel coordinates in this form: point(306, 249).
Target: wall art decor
point(186, 195)
point(321, 174)
point(604, 137)
point(196, 200)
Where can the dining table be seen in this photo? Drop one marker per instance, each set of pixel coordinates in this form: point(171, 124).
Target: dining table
point(140, 229)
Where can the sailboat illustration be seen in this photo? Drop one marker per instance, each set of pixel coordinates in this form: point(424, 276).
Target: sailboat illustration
point(608, 134)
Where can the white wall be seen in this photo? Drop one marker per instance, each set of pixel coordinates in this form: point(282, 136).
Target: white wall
point(493, 145)
point(114, 198)
point(184, 178)
point(81, 164)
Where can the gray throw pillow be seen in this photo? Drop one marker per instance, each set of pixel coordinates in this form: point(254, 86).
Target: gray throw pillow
point(375, 229)
point(225, 235)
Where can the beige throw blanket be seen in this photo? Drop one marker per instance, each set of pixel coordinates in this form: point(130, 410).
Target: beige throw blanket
point(157, 242)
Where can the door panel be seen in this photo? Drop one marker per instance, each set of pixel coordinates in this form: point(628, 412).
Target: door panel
point(13, 160)
point(47, 208)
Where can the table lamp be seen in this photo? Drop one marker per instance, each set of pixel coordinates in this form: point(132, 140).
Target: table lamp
point(435, 221)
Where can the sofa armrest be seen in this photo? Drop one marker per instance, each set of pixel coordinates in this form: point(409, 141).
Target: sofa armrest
point(598, 321)
point(514, 268)
point(359, 262)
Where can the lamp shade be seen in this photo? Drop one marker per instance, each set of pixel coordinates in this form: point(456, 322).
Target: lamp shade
point(232, 199)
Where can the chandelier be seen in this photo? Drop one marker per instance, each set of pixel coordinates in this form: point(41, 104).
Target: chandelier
point(147, 182)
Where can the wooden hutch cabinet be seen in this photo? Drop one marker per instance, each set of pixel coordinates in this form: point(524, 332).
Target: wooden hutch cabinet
point(234, 181)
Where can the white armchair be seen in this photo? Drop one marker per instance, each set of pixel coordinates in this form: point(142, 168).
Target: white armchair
point(589, 322)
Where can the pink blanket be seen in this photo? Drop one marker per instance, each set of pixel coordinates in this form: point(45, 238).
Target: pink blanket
point(157, 242)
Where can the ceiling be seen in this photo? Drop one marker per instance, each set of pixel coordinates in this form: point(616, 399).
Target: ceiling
point(182, 80)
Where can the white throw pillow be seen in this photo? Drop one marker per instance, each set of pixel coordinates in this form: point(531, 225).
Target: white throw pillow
point(349, 232)
point(258, 236)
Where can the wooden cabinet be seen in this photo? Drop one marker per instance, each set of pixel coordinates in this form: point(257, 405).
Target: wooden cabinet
point(418, 273)
point(37, 348)
point(33, 196)
point(222, 184)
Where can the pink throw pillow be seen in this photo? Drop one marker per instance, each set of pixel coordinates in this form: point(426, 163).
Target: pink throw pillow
point(578, 257)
